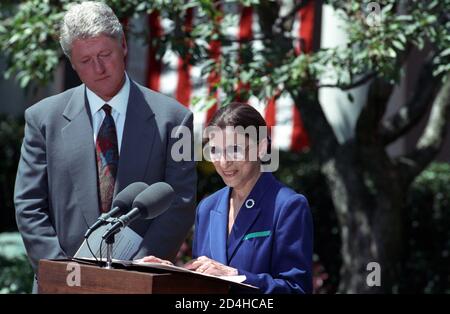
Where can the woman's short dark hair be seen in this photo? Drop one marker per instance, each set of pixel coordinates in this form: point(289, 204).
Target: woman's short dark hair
point(238, 114)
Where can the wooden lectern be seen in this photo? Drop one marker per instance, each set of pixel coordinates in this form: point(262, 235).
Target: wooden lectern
point(53, 278)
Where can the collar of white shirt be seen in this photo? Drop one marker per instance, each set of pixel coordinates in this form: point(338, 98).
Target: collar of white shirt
point(118, 103)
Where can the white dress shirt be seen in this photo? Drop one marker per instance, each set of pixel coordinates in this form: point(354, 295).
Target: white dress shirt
point(118, 105)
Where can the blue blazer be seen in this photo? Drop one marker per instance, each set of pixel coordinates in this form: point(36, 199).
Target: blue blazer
point(271, 241)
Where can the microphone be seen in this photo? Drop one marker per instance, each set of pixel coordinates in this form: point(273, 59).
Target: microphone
point(150, 203)
point(122, 203)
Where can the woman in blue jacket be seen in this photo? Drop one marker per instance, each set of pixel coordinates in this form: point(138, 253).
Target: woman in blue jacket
point(255, 226)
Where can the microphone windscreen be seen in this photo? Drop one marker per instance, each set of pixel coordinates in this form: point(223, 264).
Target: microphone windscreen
point(155, 200)
point(125, 198)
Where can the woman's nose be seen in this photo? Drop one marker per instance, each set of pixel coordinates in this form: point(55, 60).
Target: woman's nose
point(224, 160)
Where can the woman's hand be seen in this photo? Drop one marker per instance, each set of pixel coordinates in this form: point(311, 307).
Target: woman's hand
point(153, 259)
point(205, 265)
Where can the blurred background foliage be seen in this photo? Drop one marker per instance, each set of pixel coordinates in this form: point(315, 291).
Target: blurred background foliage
point(33, 53)
point(425, 267)
point(11, 134)
point(16, 274)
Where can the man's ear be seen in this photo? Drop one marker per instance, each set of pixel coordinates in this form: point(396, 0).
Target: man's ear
point(124, 46)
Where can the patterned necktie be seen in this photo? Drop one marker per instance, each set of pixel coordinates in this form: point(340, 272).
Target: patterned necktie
point(107, 159)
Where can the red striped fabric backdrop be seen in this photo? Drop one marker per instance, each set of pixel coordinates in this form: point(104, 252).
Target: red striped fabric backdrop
point(174, 76)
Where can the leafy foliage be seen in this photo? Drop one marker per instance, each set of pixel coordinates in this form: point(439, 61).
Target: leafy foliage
point(428, 234)
point(11, 134)
point(16, 275)
point(377, 42)
point(28, 39)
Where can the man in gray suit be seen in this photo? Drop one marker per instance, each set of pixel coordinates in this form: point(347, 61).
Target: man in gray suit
point(66, 178)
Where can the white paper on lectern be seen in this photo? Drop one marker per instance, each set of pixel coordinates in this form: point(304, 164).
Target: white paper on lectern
point(126, 244)
point(237, 279)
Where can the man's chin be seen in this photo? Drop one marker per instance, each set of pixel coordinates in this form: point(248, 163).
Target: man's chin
point(106, 95)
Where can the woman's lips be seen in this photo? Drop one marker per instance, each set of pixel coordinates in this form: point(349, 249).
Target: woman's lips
point(229, 173)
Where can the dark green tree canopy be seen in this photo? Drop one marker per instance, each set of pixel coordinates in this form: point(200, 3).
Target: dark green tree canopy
point(378, 43)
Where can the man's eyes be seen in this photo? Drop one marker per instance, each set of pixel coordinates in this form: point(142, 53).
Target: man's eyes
point(101, 55)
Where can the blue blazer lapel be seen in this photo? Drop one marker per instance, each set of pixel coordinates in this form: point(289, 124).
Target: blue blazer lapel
point(80, 152)
point(248, 213)
point(218, 228)
point(137, 140)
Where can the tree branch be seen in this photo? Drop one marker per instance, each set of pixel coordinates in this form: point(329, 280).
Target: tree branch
point(431, 141)
point(357, 83)
point(229, 39)
point(323, 141)
point(281, 21)
point(372, 113)
point(411, 112)
point(267, 15)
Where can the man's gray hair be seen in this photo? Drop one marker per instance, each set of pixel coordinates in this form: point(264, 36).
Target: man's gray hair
point(87, 20)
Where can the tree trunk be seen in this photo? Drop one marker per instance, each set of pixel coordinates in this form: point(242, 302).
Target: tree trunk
point(368, 206)
point(368, 194)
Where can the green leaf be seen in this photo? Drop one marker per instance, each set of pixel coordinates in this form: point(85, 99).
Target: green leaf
point(431, 19)
point(432, 4)
point(401, 37)
point(443, 68)
point(404, 18)
point(15, 37)
point(419, 42)
point(444, 53)
point(397, 44)
point(386, 9)
point(391, 53)
point(24, 81)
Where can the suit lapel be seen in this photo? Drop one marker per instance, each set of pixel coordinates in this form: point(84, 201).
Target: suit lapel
point(80, 152)
point(218, 228)
point(248, 213)
point(137, 140)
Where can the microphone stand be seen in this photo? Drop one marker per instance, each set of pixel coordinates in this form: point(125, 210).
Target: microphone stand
point(109, 248)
